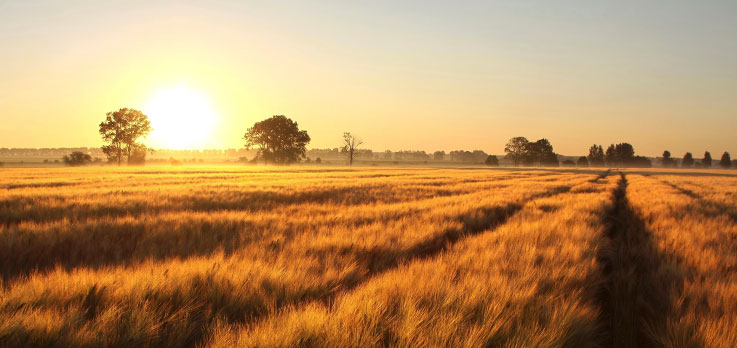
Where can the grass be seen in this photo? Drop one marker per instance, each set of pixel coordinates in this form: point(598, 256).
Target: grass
point(335, 257)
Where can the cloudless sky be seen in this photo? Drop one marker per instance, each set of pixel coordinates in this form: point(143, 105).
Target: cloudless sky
point(406, 75)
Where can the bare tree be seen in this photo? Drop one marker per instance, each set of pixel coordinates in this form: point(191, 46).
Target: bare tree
point(350, 145)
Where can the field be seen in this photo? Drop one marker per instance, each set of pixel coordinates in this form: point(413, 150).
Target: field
point(370, 257)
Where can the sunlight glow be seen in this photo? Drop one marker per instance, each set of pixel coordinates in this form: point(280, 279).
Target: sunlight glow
point(181, 118)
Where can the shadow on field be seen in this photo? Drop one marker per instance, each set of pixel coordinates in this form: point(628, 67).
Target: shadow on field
point(706, 206)
point(373, 262)
point(377, 261)
point(17, 209)
point(641, 287)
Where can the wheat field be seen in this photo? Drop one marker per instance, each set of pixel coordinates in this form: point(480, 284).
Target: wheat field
point(367, 257)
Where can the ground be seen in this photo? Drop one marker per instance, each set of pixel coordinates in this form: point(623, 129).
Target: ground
point(390, 257)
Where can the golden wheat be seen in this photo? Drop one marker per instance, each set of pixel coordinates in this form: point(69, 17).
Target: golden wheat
point(334, 257)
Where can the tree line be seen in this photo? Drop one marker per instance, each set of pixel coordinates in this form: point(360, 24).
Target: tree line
point(688, 161)
point(279, 140)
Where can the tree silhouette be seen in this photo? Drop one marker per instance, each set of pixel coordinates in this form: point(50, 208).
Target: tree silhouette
point(492, 161)
point(350, 145)
point(596, 156)
point(620, 155)
point(77, 158)
point(278, 139)
point(582, 162)
point(121, 129)
point(541, 152)
point(687, 161)
point(667, 159)
point(726, 161)
point(438, 155)
point(611, 156)
point(706, 162)
point(516, 149)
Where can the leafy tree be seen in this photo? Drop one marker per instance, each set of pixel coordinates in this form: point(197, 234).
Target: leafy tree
point(137, 155)
point(492, 161)
point(687, 161)
point(596, 156)
point(541, 152)
point(582, 162)
point(77, 158)
point(726, 161)
point(667, 159)
point(611, 156)
point(640, 162)
point(477, 156)
point(279, 140)
point(706, 162)
point(438, 155)
point(517, 149)
point(350, 145)
point(620, 155)
point(121, 130)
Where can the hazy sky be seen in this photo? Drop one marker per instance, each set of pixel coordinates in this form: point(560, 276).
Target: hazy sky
point(401, 74)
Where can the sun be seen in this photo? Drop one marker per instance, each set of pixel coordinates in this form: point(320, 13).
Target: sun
point(181, 118)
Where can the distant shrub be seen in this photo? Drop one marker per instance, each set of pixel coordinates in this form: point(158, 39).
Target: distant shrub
point(77, 158)
point(492, 161)
point(687, 160)
point(568, 163)
point(582, 162)
point(318, 160)
point(641, 162)
point(726, 161)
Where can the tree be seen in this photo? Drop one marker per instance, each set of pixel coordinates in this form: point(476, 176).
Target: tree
point(706, 162)
point(492, 161)
point(279, 140)
point(667, 159)
point(77, 158)
point(569, 163)
point(596, 156)
point(620, 155)
point(438, 155)
point(516, 149)
point(121, 130)
point(350, 145)
point(726, 161)
point(541, 152)
point(611, 156)
point(138, 155)
point(582, 162)
point(687, 161)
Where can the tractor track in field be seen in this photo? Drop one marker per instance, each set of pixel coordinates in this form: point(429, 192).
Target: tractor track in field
point(636, 298)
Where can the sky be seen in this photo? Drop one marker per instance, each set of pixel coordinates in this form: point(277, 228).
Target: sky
point(402, 75)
